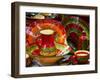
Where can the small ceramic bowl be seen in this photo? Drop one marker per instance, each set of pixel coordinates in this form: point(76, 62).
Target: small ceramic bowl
point(82, 56)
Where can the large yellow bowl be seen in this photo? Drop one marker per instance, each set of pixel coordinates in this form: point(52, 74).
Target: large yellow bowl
point(47, 60)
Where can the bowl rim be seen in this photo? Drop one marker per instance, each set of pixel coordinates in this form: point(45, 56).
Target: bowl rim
point(86, 52)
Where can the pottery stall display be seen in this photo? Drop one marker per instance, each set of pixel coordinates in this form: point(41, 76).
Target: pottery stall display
point(56, 39)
